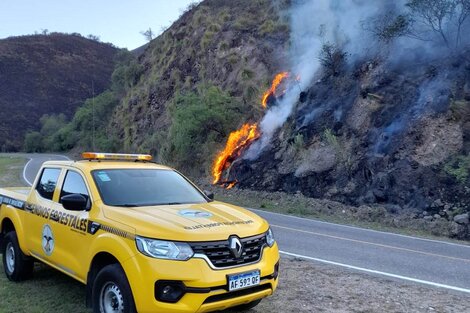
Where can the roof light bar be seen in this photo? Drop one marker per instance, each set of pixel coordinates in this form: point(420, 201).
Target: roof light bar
point(116, 156)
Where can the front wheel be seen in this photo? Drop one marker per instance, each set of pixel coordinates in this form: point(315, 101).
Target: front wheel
point(16, 264)
point(111, 291)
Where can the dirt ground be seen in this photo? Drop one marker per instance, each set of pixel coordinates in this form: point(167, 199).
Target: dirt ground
point(310, 287)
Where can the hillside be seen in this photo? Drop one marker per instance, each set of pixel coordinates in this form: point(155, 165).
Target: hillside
point(234, 45)
point(47, 74)
point(358, 103)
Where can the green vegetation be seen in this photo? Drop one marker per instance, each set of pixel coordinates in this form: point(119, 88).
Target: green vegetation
point(42, 291)
point(88, 128)
point(10, 173)
point(331, 138)
point(299, 142)
point(200, 121)
point(459, 168)
point(30, 89)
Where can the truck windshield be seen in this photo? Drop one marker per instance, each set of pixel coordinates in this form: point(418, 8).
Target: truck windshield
point(144, 187)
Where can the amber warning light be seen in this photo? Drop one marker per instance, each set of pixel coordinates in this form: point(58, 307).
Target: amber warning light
point(116, 156)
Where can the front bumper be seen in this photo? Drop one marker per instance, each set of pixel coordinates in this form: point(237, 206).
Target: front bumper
point(206, 288)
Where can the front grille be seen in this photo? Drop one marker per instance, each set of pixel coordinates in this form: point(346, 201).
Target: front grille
point(219, 254)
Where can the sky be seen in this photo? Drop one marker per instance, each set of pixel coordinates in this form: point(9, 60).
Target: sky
point(119, 22)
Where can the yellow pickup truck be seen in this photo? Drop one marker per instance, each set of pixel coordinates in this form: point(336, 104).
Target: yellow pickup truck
point(139, 235)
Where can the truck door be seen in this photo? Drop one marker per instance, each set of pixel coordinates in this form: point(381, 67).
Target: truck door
point(73, 240)
point(40, 204)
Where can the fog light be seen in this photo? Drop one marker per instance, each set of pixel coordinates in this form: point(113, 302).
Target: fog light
point(169, 291)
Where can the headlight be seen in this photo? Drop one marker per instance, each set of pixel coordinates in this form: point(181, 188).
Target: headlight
point(164, 249)
point(270, 238)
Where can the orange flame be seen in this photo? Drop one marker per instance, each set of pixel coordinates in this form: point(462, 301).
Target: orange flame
point(231, 185)
point(276, 82)
point(240, 139)
point(237, 141)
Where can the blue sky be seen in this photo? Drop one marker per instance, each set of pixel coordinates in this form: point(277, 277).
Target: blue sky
point(117, 21)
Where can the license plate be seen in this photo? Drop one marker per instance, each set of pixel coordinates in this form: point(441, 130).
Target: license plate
point(244, 280)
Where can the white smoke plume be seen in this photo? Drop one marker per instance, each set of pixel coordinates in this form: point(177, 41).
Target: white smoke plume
point(314, 23)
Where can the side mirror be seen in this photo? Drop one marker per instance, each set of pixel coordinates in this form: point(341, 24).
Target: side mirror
point(209, 195)
point(74, 202)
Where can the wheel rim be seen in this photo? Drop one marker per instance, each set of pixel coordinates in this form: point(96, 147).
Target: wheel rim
point(111, 299)
point(10, 258)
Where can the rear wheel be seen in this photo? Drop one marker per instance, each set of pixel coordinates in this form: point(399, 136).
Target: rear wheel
point(16, 264)
point(246, 307)
point(111, 291)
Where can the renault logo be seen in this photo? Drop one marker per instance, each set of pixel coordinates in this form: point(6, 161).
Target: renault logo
point(236, 247)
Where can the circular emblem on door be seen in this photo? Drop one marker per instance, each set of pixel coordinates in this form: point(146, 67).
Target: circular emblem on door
point(47, 240)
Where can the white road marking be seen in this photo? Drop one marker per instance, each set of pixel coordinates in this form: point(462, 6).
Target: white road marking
point(362, 229)
point(24, 173)
point(372, 243)
point(30, 159)
point(420, 281)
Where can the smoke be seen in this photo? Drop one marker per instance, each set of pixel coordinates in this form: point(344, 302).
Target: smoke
point(313, 24)
point(353, 26)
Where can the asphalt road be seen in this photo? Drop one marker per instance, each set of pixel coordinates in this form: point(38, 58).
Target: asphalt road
point(34, 164)
point(438, 264)
point(434, 263)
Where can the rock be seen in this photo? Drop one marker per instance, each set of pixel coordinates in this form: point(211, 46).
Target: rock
point(436, 216)
point(437, 204)
point(458, 231)
point(462, 219)
point(393, 208)
point(425, 213)
point(447, 207)
point(428, 218)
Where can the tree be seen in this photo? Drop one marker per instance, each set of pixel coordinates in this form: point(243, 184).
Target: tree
point(148, 34)
point(441, 17)
point(93, 37)
point(33, 142)
point(386, 27)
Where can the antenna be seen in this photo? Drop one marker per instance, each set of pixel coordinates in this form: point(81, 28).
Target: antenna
point(93, 113)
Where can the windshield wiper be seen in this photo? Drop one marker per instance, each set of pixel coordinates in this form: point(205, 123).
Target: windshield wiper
point(128, 205)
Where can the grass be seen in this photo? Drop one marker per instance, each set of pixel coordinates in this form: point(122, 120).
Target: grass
point(10, 171)
point(48, 291)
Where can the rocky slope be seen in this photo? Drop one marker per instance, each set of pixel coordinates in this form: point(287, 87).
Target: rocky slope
point(50, 74)
point(378, 134)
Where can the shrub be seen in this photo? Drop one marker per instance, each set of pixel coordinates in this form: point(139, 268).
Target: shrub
point(200, 122)
point(33, 142)
point(459, 168)
point(332, 58)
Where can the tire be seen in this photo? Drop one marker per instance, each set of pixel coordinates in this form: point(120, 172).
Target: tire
point(111, 291)
point(16, 264)
point(248, 306)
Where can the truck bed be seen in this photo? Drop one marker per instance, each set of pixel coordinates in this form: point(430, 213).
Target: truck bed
point(14, 193)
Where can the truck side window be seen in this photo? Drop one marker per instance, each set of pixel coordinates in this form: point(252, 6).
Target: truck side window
point(47, 183)
point(74, 183)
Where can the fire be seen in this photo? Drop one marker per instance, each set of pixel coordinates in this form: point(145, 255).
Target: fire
point(232, 184)
point(241, 139)
point(236, 143)
point(272, 91)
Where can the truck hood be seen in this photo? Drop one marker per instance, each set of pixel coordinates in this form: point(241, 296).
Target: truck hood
point(189, 222)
